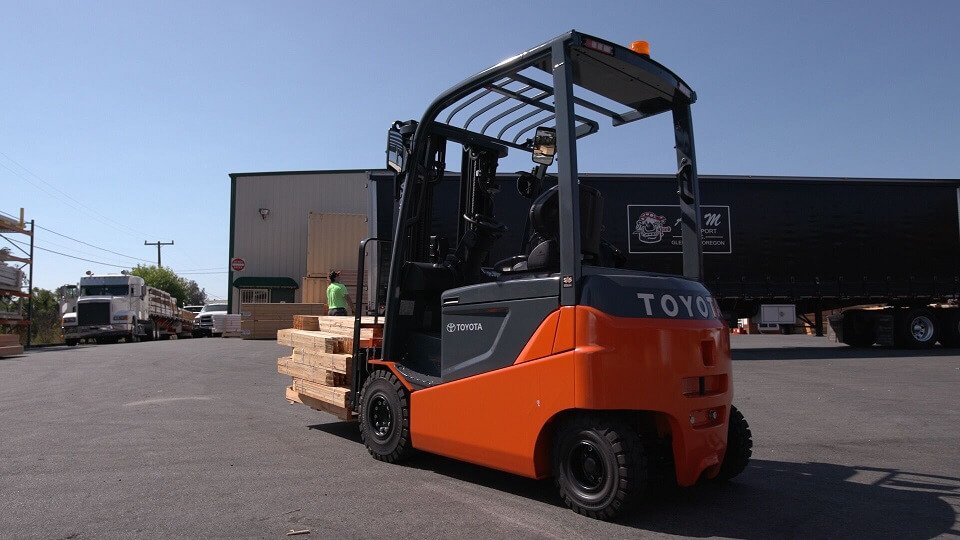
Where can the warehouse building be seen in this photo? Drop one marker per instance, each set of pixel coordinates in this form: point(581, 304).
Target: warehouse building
point(274, 257)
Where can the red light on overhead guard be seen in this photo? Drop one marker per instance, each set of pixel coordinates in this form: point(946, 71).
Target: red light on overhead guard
point(640, 47)
point(599, 46)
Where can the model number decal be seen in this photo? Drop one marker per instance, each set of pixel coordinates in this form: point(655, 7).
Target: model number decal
point(678, 306)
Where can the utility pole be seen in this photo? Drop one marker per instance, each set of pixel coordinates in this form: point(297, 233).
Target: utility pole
point(33, 229)
point(158, 244)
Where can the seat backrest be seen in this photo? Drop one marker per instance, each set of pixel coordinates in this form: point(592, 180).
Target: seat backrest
point(545, 220)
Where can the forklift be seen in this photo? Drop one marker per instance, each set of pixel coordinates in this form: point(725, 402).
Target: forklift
point(558, 360)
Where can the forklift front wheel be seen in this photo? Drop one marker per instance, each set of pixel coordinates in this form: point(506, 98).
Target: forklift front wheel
point(385, 417)
point(599, 466)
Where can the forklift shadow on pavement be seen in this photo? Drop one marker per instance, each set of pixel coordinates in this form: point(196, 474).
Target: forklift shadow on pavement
point(771, 499)
point(775, 499)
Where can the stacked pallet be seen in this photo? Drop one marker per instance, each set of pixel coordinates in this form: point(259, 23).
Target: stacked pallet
point(227, 325)
point(262, 321)
point(322, 363)
point(10, 345)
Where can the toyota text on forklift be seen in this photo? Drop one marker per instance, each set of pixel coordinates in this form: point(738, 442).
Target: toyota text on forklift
point(556, 361)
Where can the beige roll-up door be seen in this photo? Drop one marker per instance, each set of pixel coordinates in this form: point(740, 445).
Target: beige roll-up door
point(333, 241)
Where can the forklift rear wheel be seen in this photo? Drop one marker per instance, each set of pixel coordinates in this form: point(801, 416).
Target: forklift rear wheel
point(385, 417)
point(739, 447)
point(599, 466)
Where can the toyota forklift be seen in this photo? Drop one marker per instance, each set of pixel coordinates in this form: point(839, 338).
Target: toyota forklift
point(559, 359)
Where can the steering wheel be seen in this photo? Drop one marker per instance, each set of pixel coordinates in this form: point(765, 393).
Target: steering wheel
point(507, 264)
point(486, 224)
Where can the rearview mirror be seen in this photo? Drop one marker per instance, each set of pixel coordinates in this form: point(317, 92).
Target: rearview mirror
point(544, 145)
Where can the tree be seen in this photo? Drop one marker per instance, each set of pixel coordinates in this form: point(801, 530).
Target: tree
point(195, 295)
point(163, 279)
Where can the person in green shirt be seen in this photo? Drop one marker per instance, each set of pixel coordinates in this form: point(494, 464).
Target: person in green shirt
point(338, 299)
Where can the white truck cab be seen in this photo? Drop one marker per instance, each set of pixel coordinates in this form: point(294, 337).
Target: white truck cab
point(114, 307)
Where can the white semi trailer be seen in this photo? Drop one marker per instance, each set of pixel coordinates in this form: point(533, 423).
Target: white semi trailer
point(114, 307)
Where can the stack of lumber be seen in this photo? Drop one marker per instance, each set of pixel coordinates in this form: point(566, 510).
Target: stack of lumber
point(228, 325)
point(10, 345)
point(10, 277)
point(262, 321)
point(322, 363)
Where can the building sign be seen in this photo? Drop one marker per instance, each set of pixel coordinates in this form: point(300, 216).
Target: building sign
point(655, 229)
point(237, 264)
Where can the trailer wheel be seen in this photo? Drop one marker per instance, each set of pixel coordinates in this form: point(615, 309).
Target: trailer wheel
point(739, 447)
point(917, 328)
point(599, 466)
point(950, 328)
point(384, 417)
point(72, 342)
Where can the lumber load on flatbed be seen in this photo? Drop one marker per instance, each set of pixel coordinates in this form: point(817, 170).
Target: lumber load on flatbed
point(321, 364)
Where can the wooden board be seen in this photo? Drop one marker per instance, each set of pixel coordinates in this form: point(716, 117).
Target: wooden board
point(11, 350)
point(318, 341)
point(340, 363)
point(274, 312)
point(316, 404)
point(288, 365)
point(333, 395)
point(9, 339)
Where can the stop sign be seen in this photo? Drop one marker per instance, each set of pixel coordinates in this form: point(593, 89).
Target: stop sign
point(237, 264)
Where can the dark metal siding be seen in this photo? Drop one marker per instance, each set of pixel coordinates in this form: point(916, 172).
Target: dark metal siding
point(834, 241)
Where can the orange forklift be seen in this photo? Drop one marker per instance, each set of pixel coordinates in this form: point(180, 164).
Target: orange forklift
point(557, 360)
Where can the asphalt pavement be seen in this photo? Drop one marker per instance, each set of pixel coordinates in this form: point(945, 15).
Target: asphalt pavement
point(194, 438)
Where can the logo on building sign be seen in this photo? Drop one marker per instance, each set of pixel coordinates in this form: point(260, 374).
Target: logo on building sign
point(237, 264)
point(464, 327)
point(650, 227)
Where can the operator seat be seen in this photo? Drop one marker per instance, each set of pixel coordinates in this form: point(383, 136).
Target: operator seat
point(543, 247)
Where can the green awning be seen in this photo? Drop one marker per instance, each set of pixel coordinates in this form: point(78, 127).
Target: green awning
point(252, 282)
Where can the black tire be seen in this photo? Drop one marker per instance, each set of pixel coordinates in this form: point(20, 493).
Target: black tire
point(917, 328)
point(739, 447)
point(384, 417)
point(950, 328)
point(72, 342)
point(599, 466)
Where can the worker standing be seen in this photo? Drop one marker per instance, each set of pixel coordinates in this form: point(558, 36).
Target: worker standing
point(338, 299)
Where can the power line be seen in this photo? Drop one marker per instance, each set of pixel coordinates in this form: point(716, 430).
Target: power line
point(82, 242)
point(68, 255)
point(64, 196)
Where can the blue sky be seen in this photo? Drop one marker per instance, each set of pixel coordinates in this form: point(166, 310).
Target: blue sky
point(121, 120)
